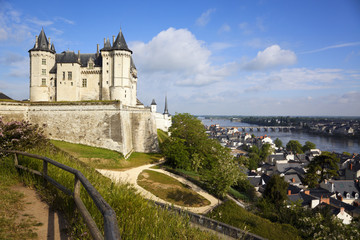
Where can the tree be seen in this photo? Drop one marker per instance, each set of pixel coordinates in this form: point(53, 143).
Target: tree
point(278, 143)
point(322, 167)
point(265, 151)
point(294, 146)
point(308, 145)
point(275, 190)
point(176, 153)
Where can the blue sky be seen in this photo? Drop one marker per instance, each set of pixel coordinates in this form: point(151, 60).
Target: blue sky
point(209, 57)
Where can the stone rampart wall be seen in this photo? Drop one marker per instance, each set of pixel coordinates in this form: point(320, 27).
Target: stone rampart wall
point(107, 125)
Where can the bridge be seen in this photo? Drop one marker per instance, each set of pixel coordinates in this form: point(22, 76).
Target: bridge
point(265, 128)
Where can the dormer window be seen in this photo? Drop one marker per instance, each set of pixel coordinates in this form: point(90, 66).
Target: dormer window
point(347, 195)
point(91, 65)
point(356, 195)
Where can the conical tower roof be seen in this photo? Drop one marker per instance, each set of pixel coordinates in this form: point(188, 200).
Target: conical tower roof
point(43, 43)
point(120, 43)
point(153, 102)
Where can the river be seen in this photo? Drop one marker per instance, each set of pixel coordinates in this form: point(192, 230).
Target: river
point(331, 144)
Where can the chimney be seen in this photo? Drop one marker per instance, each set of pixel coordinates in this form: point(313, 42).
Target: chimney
point(289, 192)
point(325, 200)
point(104, 41)
point(342, 210)
point(113, 40)
point(307, 192)
point(36, 41)
point(97, 49)
point(79, 56)
point(49, 44)
point(293, 180)
point(351, 166)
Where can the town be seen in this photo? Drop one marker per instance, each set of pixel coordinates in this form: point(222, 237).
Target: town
point(340, 193)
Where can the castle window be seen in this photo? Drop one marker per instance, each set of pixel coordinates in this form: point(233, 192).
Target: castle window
point(43, 71)
point(84, 82)
point(43, 61)
point(72, 84)
point(69, 75)
point(91, 65)
point(63, 75)
point(43, 82)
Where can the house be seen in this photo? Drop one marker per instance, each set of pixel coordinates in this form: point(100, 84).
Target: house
point(344, 190)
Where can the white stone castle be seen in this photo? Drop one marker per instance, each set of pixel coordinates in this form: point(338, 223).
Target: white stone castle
point(108, 74)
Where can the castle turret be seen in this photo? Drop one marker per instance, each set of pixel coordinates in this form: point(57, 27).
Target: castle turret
point(42, 60)
point(153, 106)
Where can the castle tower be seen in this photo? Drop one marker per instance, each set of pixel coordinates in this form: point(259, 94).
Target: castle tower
point(42, 60)
point(123, 81)
point(153, 106)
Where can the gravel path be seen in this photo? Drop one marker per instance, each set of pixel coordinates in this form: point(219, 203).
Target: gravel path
point(131, 175)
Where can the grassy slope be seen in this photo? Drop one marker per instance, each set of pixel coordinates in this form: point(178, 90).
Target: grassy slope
point(162, 136)
point(106, 159)
point(137, 218)
point(169, 189)
point(236, 216)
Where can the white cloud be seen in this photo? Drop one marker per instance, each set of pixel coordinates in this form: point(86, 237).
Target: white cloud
point(224, 28)
point(260, 24)
point(41, 23)
point(204, 18)
point(64, 20)
point(350, 44)
point(178, 53)
point(244, 27)
point(297, 79)
point(217, 46)
point(272, 56)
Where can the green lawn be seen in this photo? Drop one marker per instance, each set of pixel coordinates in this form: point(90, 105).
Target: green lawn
point(104, 158)
point(169, 189)
point(236, 216)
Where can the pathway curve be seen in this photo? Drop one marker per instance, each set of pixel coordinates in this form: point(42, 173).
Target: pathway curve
point(131, 175)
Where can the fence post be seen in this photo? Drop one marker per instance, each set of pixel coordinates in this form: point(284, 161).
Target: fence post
point(16, 162)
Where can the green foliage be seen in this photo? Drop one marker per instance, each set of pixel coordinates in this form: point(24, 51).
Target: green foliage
point(137, 218)
point(294, 146)
point(244, 186)
point(189, 148)
point(265, 151)
point(275, 190)
point(278, 143)
point(346, 154)
point(234, 215)
point(308, 145)
point(322, 167)
point(162, 136)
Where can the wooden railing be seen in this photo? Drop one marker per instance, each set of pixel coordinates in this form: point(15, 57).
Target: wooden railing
point(111, 230)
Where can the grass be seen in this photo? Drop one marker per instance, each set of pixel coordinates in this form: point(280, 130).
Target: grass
point(234, 215)
point(13, 225)
point(238, 195)
point(169, 189)
point(104, 158)
point(137, 217)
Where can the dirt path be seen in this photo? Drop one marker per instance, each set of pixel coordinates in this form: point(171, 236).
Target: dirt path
point(131, 175)
point(53, 226)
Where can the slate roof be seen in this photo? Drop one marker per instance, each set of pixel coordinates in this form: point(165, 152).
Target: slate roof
point(43, 44)
point(153, 102)
point(282, 167)
point(120, 43)
point(341, 186)
point(71, 57)
point(3, 96)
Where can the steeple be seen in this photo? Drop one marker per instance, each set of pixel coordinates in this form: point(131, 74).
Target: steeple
point(120, 43)
point(42, 43)
point(166, 108)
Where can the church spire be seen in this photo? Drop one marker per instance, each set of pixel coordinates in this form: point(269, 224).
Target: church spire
point(166, 108)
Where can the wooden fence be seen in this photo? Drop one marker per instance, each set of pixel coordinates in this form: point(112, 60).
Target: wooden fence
point(111, 229)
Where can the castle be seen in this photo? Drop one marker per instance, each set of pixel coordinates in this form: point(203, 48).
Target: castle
point(108, 74)
point(64, 88)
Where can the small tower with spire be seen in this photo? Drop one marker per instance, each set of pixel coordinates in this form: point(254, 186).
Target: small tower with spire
point(42, 59)
point(153, 106)
point(166, 112)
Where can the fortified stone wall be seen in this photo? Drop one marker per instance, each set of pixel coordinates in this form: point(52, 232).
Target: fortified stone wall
point(107, 125)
